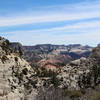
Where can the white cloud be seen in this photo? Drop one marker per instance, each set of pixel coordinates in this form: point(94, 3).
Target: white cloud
point(76, 27)
point(61, 13)
point(87, 32)
point(89, 37)
point(83, 33)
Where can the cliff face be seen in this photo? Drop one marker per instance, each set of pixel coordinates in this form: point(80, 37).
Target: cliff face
point(56, 55)
point(14, 73)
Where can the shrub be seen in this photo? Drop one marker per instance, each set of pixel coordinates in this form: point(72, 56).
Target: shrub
point(4, 58)
point(83, 90)
point(72, 93)
point(96, 73)
point(54, 80)
point(19, 75)
point(96, 96)
point(42, 72)
point(63, 64)
point(16, 59)
point(20, 52)
point(24, 71)
point(7, 41)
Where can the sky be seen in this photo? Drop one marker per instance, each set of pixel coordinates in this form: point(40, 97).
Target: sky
point(32, 22)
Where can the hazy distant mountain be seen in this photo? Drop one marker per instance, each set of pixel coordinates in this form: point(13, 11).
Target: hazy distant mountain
point(55, 54)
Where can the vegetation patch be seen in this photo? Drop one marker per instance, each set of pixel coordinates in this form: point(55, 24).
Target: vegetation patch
point(72, 93)
point(96, 96)
point(4, 58)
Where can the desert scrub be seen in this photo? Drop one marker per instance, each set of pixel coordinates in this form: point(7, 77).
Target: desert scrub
point(96, 73)
point(83, 90)
point(96, 96)
point(16, 59)
point(42, 72)
point(24, 71)
point(72, 93)
point(19, 75)
point(7, 41)
point(55, 80)
point(4, 58)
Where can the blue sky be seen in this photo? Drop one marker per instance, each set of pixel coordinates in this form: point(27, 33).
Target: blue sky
point(50, 21)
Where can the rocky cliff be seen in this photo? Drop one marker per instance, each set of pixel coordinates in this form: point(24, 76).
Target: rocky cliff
point(14, 73)
point(52, 55)
point(79, 79)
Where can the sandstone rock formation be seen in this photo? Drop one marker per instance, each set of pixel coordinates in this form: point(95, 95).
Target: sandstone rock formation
point(20, 81)
point(56, 55)
point(14, 73)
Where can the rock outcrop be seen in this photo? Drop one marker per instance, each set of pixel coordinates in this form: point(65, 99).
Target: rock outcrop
point(62, 54)
point(82, 73)
point(14, 74)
